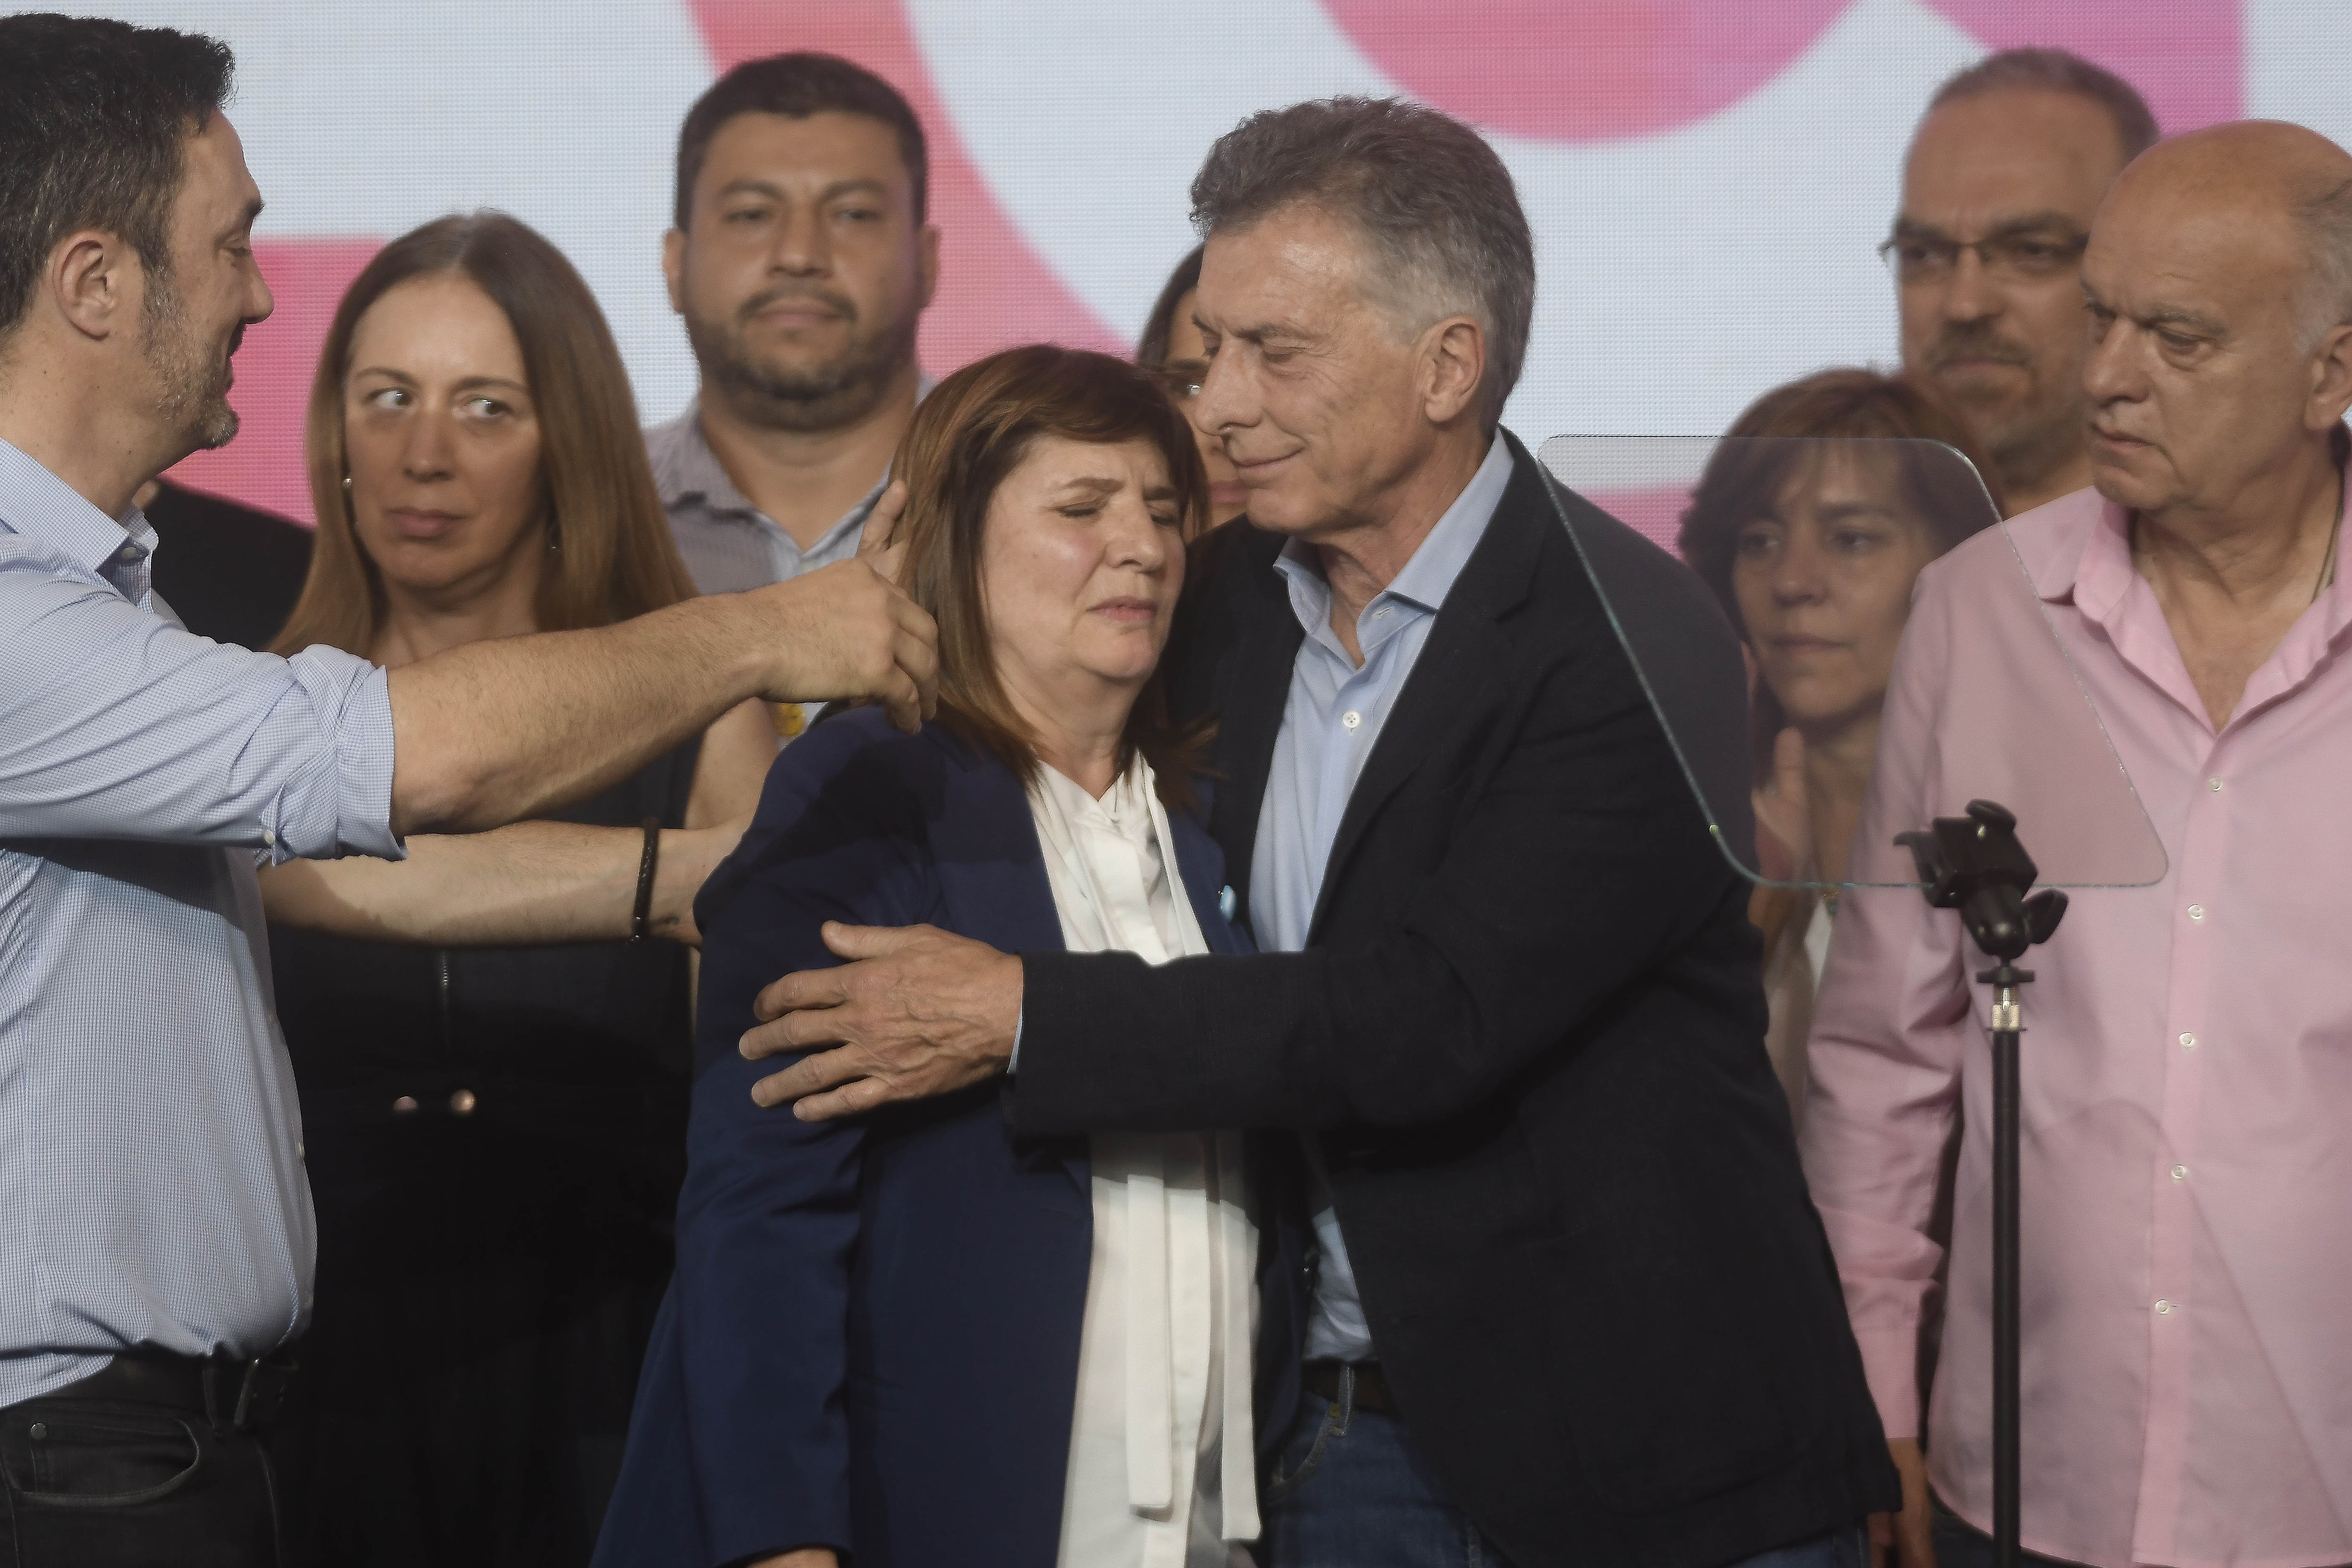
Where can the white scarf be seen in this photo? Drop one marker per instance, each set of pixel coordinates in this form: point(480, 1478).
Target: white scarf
point(1157, 1196)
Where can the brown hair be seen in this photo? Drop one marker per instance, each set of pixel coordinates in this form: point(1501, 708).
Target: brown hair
point(974, 430)
point(617, 559)
point(1849, 405)
point(1152, 349)
point(796, 86)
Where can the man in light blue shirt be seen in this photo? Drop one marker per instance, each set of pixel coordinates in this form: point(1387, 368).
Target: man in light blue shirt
point(1333, 719)
point(155, 1233)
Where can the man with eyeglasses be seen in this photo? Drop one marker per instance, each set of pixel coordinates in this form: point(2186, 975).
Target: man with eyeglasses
point(2003, 176)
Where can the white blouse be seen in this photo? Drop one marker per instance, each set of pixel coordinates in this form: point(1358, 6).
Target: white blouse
point(1162, 1454)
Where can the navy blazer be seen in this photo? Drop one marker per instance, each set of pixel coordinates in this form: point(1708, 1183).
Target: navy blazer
point(871, 1341)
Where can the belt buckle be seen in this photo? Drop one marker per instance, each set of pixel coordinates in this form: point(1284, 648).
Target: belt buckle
point(259, 1393)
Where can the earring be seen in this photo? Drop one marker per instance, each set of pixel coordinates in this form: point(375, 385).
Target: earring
point(347, 484)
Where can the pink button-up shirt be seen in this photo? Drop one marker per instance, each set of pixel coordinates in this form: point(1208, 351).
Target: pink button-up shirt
point(2188, 1068)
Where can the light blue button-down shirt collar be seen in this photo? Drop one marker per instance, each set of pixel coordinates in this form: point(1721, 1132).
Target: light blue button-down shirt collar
point(1421, 588)
point(37, 504)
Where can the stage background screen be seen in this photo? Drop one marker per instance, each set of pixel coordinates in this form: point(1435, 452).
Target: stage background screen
point(1707, 181)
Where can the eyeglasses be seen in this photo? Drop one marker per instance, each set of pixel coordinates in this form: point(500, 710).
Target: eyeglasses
point(1918, 259)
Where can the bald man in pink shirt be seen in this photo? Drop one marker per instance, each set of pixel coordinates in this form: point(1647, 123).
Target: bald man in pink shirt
point(2187, 1065)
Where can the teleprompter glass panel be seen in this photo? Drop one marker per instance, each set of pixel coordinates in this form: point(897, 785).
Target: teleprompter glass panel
point(1807, 548)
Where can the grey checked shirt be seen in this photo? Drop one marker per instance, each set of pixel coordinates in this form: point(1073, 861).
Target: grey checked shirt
point(730, 544)
point(151, 1176)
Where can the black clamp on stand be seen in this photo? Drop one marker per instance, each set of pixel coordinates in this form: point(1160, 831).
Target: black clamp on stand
point(1974, 864)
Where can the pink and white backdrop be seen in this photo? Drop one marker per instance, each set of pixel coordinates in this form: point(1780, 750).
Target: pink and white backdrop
point(1706, 180)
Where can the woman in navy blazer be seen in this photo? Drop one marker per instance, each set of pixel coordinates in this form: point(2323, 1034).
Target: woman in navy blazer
point(870, 1350)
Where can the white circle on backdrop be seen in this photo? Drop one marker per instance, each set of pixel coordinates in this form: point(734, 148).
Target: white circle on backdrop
point(1679, 274)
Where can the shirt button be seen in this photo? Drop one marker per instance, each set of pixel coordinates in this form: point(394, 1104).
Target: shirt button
point(2164, 1308)
point(270, 837)
point(130, 553)
point(2180, 1173)
point(2213, 784)
point(2188, 1042)
point(462, 1102)
point(2195, 911)
point(404, 1106)
point(1350, 719)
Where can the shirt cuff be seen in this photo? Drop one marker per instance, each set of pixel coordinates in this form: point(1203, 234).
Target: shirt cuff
point(1012, 1062)
point(1890, 1362)
point(353, 700)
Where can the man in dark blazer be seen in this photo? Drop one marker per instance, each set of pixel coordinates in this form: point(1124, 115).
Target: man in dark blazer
point(1572, 1305)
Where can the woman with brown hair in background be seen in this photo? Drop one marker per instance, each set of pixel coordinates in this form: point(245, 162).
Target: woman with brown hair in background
point(1810, 523)
point(494, 1138)
point(1173, 348)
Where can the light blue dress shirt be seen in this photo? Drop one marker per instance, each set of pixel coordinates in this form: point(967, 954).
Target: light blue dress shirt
point(1331, 724)
point(151, 1177)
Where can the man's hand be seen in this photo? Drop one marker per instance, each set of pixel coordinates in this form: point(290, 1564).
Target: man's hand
point(1905, 1540)
point(917, 1013)
point(845, 632)
point(878, 544)
point(806, 1557)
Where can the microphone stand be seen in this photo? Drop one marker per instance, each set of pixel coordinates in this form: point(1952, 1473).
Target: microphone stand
point(1975, 864)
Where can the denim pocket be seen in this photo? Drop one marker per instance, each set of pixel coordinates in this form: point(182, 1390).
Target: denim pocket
point(99, 1460)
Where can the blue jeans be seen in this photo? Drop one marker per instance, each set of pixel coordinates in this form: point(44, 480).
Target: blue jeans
point(1351, 1490)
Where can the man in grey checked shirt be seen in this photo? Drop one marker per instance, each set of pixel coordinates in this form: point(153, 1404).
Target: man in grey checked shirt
point(155, 1228)
point(801, 262)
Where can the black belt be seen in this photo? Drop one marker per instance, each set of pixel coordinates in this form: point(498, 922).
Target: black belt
point(240, 1396)
point(1322, 1379)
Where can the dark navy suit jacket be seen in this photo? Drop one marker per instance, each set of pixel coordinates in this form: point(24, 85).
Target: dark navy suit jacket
point(872, 1339)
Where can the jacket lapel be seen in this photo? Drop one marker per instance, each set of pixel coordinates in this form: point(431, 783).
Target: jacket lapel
point(992, 876)
point(1458, 663)
point(1199, 869)
point(1254, 693)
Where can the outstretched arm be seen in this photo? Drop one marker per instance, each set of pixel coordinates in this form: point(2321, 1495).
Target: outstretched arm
point(537, 882)
point(497, 731)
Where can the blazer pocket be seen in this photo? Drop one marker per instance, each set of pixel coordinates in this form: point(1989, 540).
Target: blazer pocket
point(1668, 1395)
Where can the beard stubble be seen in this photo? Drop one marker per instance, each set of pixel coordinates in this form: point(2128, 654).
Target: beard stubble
point(838, 392)
point(193, 385)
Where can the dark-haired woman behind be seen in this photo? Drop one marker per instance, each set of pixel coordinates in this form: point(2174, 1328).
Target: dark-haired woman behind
point(493, 1136)
point(1813, 542)
point(911, 1341)
point(1173, 350)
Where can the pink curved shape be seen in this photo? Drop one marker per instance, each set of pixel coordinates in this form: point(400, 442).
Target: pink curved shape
point(1596, 70)
point(995, 290)
point(263, 466)
point(2186, 56)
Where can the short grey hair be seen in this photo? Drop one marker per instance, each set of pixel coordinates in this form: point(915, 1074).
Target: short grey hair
point(2324, 301)
point(2058, 70)
point(1445, 231)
